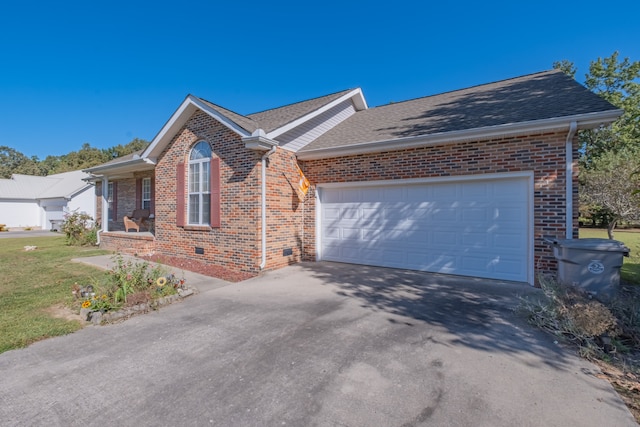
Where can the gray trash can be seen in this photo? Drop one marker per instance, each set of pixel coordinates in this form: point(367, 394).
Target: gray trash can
point(591, 264)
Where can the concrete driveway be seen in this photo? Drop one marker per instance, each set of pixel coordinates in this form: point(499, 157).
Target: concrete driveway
point(27, 233)
point(316, 344)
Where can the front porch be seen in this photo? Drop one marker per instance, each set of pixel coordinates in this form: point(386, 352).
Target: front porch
point(133, 243)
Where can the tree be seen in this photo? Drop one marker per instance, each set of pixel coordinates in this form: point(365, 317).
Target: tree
point(611, 184)
point(566, 67)
point(120, 150)
point(619, 83)
point(13, 161)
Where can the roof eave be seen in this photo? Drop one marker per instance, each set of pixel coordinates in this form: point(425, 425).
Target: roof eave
point(133, 165)
point(584, 121)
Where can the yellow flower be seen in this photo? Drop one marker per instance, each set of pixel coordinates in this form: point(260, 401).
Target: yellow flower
point(104, 297)
point(161, 281)
point(86, 304)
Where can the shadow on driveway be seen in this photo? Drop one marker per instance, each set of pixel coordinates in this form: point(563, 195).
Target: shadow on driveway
point(480, 313)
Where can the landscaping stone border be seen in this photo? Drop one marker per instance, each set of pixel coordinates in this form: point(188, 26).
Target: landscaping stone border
point(100, 318)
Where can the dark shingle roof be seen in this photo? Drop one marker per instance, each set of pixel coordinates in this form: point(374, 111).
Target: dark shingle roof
point(544, 95)
point(270, 120)
point(244, 122)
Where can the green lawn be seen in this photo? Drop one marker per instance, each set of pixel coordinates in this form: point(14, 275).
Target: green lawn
point(34, 282)
point(630, 271)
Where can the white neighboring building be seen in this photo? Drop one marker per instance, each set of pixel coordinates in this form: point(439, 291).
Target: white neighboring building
point(42, 201)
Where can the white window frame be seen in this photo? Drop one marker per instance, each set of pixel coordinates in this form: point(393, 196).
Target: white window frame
point(201, 189)
point(146, 193)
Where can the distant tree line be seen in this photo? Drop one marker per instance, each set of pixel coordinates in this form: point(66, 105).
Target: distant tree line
point(14, 162)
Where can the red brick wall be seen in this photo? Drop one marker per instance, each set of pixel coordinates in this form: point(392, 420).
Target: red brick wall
point(236, 244)
point(285, 211)
point(131, 243)
point(543, 154)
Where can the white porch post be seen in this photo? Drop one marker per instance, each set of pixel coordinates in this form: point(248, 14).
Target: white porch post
point(105, 204)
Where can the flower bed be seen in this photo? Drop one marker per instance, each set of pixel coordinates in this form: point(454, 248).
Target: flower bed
point(128, 288)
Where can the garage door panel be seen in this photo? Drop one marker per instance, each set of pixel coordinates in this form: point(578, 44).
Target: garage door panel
point(475, 228)
point(331, 213)
point(508, 241)
point(511, 215)
point(443, 239)
point(477, 264)
point(445, 215)
point(372, 234)
point(476, 240)
point(370, 213)
point(440, 264)
point(509, 190)
point(330, 233)
point(350, 234)
point(394, 257)
point(444, 192)
point(476, 214)
point(473, 190)
point(420, 237)
point(512, 268)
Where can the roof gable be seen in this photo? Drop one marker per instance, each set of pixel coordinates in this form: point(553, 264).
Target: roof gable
point(188, 107)
point(275, 121)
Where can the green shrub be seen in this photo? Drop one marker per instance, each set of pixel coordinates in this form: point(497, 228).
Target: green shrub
point(80, 229)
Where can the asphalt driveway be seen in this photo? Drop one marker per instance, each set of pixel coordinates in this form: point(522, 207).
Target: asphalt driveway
point(316, 344)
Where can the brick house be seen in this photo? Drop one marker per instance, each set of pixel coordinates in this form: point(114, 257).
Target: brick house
point(467, 182)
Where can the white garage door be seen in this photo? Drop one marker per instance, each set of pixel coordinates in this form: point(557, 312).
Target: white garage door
point(470, 228)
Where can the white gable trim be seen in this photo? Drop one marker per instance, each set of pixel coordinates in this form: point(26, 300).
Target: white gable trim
point(357, 98)
point(189, 106)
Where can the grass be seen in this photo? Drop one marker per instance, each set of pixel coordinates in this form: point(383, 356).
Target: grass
point(35, 281)
point(630, 271)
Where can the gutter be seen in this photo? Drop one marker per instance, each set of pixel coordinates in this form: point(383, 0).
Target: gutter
point(573, 127)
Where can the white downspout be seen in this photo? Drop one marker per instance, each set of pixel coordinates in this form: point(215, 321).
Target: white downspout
point(569, 178)
point(264, 206)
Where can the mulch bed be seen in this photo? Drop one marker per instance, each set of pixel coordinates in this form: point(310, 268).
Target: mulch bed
point(200, 267)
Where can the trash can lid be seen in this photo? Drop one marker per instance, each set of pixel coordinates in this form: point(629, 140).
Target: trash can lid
point(593, 244)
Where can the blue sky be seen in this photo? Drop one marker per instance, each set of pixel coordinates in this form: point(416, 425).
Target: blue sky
point(105, 72)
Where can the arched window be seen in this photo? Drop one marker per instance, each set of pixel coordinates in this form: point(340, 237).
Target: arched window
point(199, 184)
